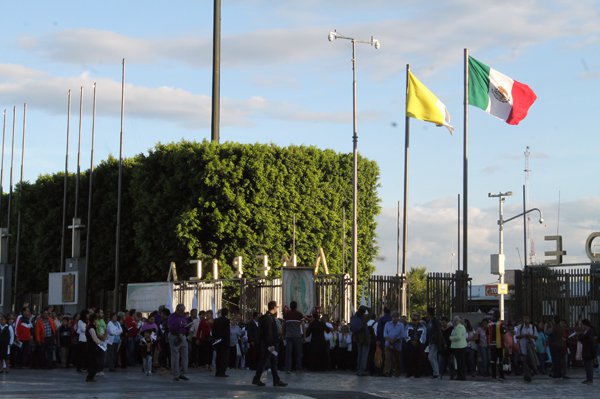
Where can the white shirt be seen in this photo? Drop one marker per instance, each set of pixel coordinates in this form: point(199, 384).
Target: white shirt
point(81, 326)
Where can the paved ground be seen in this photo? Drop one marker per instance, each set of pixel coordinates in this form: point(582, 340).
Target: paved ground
point(130, 383)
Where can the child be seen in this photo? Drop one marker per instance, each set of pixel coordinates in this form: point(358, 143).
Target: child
point(147, 347)
point(64, 341)
point(6, 340)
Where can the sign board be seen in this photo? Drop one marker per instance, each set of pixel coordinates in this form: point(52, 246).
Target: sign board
point(502, 289)
point(63, 288)
point(147, 297)
point(498, 289)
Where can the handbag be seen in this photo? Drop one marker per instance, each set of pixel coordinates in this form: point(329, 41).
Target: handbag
point(378, 358)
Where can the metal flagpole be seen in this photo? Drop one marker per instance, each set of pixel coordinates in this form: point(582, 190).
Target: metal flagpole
point(216, 77)
point(119, 188)
point(65, 188)
point(404, 225)
point(89, 214)
point(465, 161)
point(12, 156)
point(20, 206)
point(75, 214)
point(2, 165)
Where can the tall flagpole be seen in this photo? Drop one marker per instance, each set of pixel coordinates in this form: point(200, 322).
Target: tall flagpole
point(2, 165)
point(89, 214)
point(12, 157)
point(65, 188)
point(465, 161)
point(75, 214)
point(20, 207)
point(216, 73)
point(119, 188)
point(404, 225)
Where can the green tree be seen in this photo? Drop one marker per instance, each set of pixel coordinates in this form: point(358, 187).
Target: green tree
point(417, 289)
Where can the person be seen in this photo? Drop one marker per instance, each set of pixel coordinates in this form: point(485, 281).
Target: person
point(495, 332)
point(45, 335)
point(458, 345)
point(221, 334)
point(318, 346)
point(526, 334)
point(268, 338)
point(556, 342)
point(482, 349)
point(23, 338)
point(64, 341)
point(471, 351)
point(177, 322)
point(236, 337)
point(164, 353)
point(114, 331)
point(146, 351)
point(131, 335)
point(293, 337)
point(435, 341)
point(444, 352)
point(253, 342)
point(361, 339)
point(588, 350)
point(393, 335)
point(82, 346)
point(541, 348)
point(204, 340)
point(416, 336)
point(6, 340)
point(93, 348)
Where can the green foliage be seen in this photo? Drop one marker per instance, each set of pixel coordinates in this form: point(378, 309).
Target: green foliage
point(192, 200)
point(417, 283)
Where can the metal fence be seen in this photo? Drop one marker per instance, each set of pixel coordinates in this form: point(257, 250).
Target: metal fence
point(386, 291)
point(571, 293)
point(448, 293)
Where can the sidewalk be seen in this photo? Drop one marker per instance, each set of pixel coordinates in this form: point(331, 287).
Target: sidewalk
point(131, 383)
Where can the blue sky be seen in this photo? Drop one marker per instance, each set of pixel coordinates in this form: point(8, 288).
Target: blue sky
point(282, 82)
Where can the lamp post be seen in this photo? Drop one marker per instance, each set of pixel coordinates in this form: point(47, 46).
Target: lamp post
point(375, 43)
point(497, 260)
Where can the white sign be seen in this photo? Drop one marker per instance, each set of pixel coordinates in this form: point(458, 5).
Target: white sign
point(147, 297)
point(63, 288)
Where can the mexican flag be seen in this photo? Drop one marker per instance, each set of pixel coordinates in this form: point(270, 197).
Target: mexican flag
point(497, 94)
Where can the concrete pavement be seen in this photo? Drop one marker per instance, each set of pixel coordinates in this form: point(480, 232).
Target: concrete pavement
point(131, 383)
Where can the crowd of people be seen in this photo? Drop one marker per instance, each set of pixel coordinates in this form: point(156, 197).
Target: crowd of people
point(377, 345)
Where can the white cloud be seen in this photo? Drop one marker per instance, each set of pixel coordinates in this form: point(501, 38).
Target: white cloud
point(433, 231)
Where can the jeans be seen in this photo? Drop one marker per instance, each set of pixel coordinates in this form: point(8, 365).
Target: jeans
point(179, 354)
point(361, 360)
point(131, 347)
point(293, 345)
point(111, 356)
point(589, 370)
point(484, 360)
point(147, 364)
point(433, 359)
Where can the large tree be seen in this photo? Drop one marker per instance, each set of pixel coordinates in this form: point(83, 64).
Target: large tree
point(191, 200)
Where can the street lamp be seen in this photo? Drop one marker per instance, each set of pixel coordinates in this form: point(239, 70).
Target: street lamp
point(497, 260)
point(375, 43)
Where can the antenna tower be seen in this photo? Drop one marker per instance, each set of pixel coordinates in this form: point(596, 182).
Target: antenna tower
point(531, 261)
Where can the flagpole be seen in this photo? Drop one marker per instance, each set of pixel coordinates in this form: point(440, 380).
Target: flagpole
point(404, 225)
point(20, 207)
point(2, 165)
point(119, 188)
point(89, 214)
point(465, 159)
point(65, 188)
point(12, 157)
point(78, 158)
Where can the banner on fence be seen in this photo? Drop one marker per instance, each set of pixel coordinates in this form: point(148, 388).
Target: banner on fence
point(147, 297)
point(63, 288)
point(299, 286)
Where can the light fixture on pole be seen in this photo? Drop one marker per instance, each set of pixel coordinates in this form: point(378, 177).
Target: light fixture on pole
point(375, 43)
point(497, 260)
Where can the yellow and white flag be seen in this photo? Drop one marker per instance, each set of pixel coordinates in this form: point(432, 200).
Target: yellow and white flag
point(422, 104)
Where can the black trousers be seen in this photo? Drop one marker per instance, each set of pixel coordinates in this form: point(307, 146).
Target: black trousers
point(222, 359)
point(497, 361)
point(266, 359)
point(93, 358)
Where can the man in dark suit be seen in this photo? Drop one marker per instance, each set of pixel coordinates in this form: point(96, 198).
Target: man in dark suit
point(269, 340)
point(220, 334)
point(253, 342)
